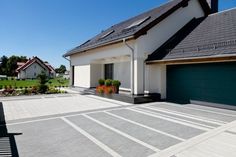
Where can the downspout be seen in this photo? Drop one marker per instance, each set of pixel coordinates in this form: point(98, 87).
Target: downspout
point(70, 68)
point(131, 66)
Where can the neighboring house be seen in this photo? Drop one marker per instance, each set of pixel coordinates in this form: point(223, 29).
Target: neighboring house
point(3, 77)
point(66, 75)
point(183, 50)
point(33, 67)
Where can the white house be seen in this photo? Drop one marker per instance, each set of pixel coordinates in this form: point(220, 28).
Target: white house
point(141, 52)
point(33, 67)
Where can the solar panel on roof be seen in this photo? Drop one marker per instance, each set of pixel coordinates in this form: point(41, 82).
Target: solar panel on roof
point(138, 22)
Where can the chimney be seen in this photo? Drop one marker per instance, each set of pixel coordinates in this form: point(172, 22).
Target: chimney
point(214, 5)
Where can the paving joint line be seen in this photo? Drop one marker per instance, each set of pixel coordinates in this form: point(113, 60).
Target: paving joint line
point(144, 126)
point(199, 124)
point(91, 138)
point(224, 114)
point(190, 116)
point(124, 134)
point(168, 119)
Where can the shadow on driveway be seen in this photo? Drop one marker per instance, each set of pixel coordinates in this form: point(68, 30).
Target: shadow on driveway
point(7, 140)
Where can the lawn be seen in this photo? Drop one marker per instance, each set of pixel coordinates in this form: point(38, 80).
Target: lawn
point(31, 83)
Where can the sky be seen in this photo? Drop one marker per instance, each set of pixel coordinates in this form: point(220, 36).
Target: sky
point(49, 28)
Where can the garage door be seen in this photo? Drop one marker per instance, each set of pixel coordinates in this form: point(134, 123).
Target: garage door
point(212, 82)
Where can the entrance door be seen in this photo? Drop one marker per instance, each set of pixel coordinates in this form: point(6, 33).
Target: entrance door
point(108, 71)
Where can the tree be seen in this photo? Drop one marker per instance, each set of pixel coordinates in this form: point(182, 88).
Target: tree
point(11, 65)
point(43, 79)
point(3, 65)
point(61, 69)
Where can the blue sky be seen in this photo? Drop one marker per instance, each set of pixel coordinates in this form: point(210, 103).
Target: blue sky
point(49, 28)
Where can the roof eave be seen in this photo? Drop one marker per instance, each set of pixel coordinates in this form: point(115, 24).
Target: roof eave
point(215, 58)
point(70, 53)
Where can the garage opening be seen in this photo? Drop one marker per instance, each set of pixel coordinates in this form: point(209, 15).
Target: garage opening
point(210, 82)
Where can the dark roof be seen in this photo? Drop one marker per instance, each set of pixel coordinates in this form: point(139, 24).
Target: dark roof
point(213, 36)
point(147, 20)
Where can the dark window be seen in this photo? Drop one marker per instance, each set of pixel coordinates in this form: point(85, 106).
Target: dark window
point(73, 75)
point(108, 71)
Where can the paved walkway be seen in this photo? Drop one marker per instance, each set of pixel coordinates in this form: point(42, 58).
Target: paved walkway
point(37, 106)
point(83, 125)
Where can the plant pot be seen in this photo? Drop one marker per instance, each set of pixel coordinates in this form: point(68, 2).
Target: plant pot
point(117, 90)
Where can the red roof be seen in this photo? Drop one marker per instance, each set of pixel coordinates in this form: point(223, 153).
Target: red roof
point(23, 66)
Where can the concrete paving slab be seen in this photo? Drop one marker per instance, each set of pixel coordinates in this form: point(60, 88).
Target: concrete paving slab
point(222, 145)
point(196, 112)
point(180, 117)
point(158, 140)
point(53, 138)
point(214, 109)
point(30, 108)
point(118, 143)
point(178, 130)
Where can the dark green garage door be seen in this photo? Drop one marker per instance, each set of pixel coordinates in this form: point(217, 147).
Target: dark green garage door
point(212, 82)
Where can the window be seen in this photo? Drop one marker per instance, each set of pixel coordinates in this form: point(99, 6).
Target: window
point(108, 71)
point(73, 75)
point(138, 22)
point(108, 33)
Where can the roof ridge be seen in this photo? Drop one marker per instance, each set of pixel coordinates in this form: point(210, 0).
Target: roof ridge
point(223, 11)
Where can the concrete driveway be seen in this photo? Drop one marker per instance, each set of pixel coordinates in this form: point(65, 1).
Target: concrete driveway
point(76, 125)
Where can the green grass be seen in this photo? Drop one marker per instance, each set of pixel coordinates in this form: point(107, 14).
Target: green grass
point(30, 83)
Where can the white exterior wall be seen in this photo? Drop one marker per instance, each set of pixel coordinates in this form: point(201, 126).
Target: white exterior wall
point(157, 36)
point(93, 61)
point(82, 76)
point(122, 73)
point(21, 75)
point(156, 79)
point(91, 56)
point(96, 74)
point(32, 71)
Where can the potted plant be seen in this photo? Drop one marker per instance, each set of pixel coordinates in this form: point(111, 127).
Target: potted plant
point(116, 84)
point(108, 82)
point(101, 82)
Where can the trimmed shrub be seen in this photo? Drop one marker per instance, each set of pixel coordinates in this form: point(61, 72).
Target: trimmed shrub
point(43, 79)
point(116, 83)
point(42, 88)
point(108, 82)
point(101, 82)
